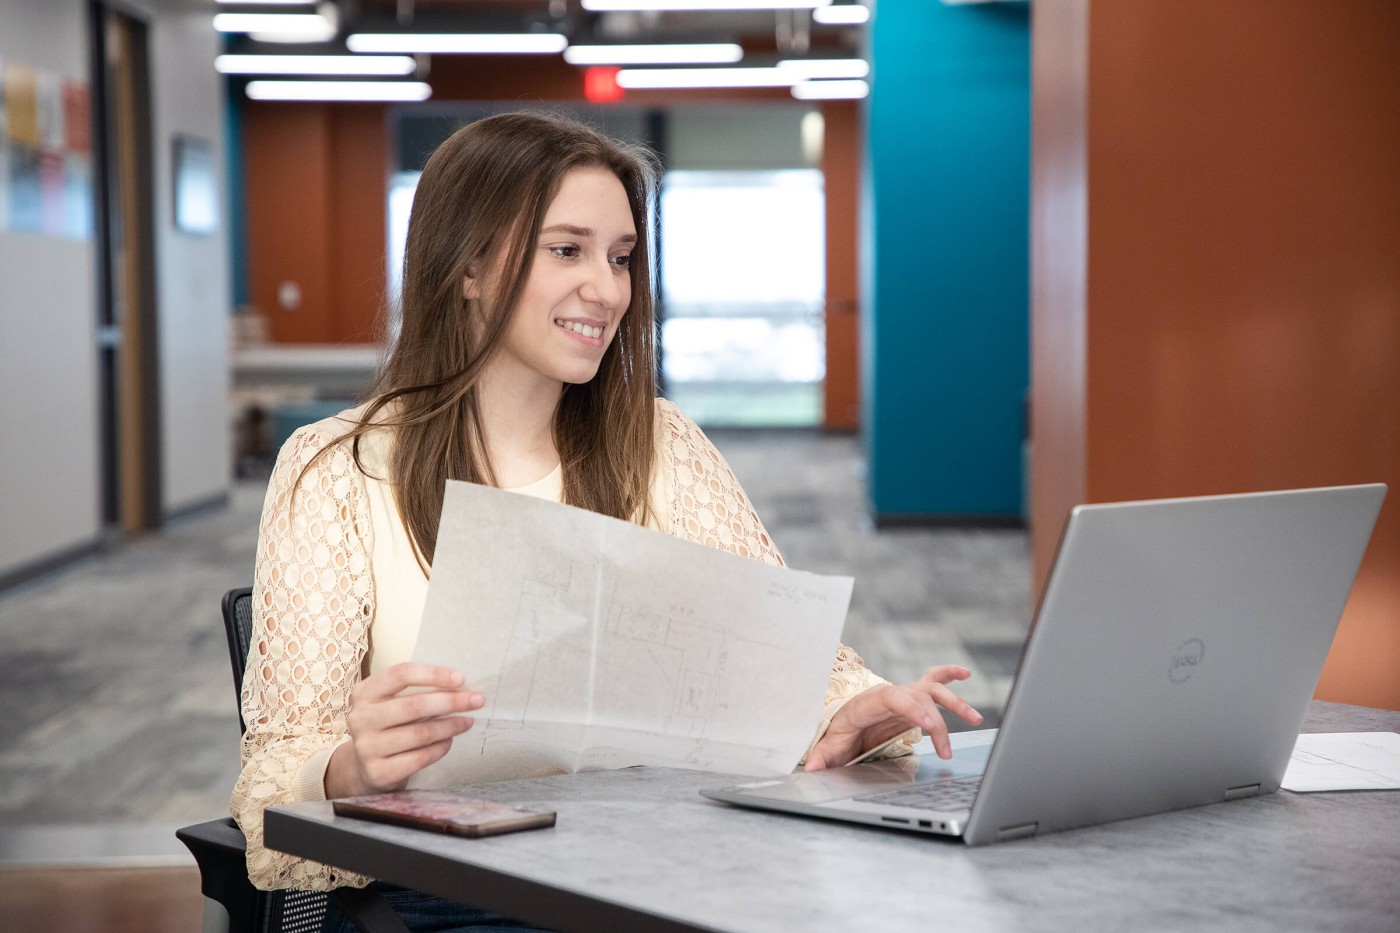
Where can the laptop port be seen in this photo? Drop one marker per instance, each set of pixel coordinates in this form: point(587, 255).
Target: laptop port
point(894, 819)
point(926, 824)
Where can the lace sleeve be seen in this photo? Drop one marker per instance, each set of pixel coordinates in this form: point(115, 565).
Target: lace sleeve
point(313, 599)
point(709, 507)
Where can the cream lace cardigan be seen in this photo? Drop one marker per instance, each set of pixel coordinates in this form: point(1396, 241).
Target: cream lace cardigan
point(337, 594)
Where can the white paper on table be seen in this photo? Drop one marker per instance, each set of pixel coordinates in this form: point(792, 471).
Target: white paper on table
point(598, 643)
point(1344, 761)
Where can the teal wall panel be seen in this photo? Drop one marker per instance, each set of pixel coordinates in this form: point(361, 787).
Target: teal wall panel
point(945, 259)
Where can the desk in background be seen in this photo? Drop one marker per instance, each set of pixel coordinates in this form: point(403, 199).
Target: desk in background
point(277, 388)
point(639, 850)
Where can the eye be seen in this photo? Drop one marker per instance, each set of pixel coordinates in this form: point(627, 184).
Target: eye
point(623, 262)
point(564, 252)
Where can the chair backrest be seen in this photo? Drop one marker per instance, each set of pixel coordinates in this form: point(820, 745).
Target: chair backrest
point(279, 911)
point(238, 626)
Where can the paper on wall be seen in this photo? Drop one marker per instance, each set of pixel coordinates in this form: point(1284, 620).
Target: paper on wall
point(601, 644)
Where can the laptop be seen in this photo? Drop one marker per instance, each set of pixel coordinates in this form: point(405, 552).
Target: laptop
point(1170, 663)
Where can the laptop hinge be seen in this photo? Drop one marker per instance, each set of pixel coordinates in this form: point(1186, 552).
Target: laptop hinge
point(1017, 831)
point(1244, 790)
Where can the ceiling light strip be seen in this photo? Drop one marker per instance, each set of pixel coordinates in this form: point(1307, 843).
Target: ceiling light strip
point(314, 64)
point(811, 68)
point(716, 53)
point(610, 6)
point(339, 90)
point(301, 24)
point(841, 14)
point(522, 43)
point(853, 89)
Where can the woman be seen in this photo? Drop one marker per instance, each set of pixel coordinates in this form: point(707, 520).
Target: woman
point(525, 361)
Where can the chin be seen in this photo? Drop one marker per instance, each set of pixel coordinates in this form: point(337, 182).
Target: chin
point(579, 377)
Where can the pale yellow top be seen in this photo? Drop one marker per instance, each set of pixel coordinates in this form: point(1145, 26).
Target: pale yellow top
point(338, 592)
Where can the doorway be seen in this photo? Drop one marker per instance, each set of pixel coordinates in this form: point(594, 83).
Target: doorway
point(125, 238)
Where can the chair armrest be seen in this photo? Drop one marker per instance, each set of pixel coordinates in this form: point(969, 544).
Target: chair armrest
point(220, 851)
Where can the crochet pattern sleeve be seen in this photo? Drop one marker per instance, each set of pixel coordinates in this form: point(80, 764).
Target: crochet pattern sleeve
point(313, 599)
point(709, 507)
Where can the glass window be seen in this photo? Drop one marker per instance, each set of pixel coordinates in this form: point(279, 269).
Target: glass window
point(742, 279)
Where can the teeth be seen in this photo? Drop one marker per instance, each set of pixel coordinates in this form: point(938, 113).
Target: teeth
point(578, 328)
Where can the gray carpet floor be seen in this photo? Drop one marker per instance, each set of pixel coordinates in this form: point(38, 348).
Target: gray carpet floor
point(118, 705)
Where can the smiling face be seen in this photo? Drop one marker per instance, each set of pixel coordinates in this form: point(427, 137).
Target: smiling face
point(579, 286)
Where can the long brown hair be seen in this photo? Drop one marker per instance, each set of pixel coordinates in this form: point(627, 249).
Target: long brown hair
point(479, 205)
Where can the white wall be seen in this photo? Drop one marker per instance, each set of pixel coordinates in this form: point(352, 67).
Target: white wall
point(193, 291)
point(49, 485)
point(49, 458)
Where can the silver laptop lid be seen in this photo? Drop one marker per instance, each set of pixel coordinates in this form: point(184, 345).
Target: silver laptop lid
point(1173, 656)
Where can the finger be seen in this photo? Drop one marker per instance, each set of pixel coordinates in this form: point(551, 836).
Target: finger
point(914, 705)
point(955, 704)
point(919, 708)
point(945, 673)
point(390, 773)
point(395, 679)
point(390, 743)
point(409, 708)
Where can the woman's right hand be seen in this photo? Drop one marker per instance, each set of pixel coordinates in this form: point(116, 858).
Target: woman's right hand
point(393, 734)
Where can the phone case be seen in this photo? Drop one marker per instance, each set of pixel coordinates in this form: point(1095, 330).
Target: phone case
point(443, 812)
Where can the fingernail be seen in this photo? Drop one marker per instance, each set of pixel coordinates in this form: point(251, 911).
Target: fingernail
point(456, 678)
point(476, 700)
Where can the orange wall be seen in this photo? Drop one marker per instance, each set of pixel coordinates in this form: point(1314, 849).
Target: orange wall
point(1239, 289)
point(841, 154)
point(316, 188)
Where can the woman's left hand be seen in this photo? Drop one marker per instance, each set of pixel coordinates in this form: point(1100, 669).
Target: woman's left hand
point(879, 714)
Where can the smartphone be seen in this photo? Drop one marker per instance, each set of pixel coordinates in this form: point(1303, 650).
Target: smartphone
point(443, 812)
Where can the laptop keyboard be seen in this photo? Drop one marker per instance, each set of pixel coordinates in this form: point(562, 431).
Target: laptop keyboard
point(945, 795)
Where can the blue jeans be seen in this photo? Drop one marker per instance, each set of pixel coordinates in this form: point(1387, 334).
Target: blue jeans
point(424, 913)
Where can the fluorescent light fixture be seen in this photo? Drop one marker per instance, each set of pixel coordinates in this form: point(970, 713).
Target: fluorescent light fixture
point(608, 6)
point(339, 90)
point(637, 78)
point(307, 27)
point(267, 2)
point(518, 43)
point(841, 14)
point(853, 89)
point(314, 64)
point(719, 53)
point(810, 68)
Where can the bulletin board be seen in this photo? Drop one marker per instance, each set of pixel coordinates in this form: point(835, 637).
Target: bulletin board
point(45, 152)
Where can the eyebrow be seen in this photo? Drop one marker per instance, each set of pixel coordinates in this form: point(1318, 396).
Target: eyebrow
point(584, 232)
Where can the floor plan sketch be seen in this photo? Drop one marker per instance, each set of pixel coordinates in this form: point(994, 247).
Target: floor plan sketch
point(603, 644)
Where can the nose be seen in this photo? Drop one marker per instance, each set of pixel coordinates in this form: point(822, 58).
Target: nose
point(606, 286)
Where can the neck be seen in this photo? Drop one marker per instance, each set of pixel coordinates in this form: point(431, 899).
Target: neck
point(517, 414)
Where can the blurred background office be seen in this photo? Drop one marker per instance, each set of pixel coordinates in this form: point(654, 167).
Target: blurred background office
point(931, 273)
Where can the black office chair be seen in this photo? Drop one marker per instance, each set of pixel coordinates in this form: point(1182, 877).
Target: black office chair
point(221, 851)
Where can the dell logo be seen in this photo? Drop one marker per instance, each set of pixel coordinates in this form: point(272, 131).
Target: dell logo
point(1189, 655)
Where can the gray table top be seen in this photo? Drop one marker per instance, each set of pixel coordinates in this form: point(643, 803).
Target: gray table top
point(638, 849)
